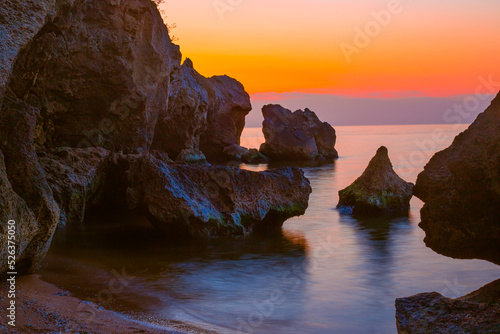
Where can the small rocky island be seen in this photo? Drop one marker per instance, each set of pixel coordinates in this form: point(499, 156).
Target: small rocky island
point(378, 190)
point(296, 136)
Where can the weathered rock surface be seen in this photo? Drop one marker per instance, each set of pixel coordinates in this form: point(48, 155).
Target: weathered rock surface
point(33, 206)
point(20, 21)
point(77, 177)
point(203, 113)
point(99, 72)
point(180, 127)
point(229, 103)
point(296, 136)
point(378, 190)
point(430, 313)
point(461, 190)
point(215, 200)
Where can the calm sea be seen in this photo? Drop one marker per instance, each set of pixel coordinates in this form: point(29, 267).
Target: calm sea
point(325, 273)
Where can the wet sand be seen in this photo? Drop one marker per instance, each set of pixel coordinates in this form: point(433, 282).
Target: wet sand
point(43, 308)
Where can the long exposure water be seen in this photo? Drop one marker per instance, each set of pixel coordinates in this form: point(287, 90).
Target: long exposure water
point(325, 273)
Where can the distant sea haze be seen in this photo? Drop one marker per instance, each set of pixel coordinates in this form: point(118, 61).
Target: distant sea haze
point(341, 110)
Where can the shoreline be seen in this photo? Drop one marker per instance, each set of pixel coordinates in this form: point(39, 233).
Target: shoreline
point(41, 307)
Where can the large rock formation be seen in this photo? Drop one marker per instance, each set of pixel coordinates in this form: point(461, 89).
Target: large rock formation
point(84, 90)
point(203, 113)
point(214, 200)
point(378, 190)
point(461, 190)
point(99, 71)
point(431, 313)
point(296, 136)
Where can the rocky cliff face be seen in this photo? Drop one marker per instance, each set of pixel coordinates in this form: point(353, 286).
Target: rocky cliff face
point(296, 136)
point(461, 190)
point(87, 88)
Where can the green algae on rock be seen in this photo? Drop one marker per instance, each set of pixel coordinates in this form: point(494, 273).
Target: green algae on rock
point(378, 190)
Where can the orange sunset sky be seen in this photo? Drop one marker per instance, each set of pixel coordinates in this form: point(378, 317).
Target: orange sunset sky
point(423, 48)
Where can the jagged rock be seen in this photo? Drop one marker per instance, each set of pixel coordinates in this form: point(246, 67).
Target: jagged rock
point(296, 136)
point(99, 71)
point(214, 200)
point(203, 113)
point(180, 127)
point(20, 21)
point(461, 190)
point(77, 178)
point(430, 313)
point(229, 103)
point(191, 157)
point(27, 179)
point(378, 190)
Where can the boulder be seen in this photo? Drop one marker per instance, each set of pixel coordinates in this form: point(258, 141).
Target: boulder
point(430, 313)
point(77, 177)
point(378, 190)
point(228, 105)
point(296, 136)
point(461, 190)
point(214, 200)
point(238, 153)
point(206, 114)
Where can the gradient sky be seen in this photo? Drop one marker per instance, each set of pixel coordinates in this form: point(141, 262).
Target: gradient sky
point(429, 48)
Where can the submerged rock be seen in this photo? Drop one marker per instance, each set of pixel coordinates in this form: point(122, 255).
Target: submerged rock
point(461, 190)
point(430, 313)
point(296, 136)
point(250, 156)
point(378, 190)
point(214, 200)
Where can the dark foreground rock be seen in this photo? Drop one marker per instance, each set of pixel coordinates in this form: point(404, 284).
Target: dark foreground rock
point(214, 200)
point(461, 190)
point(378, 190)
point(429, 313)
point(86, 87)
point(296, 136)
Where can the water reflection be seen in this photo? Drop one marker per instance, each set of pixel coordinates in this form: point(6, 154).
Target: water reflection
point(276, 283)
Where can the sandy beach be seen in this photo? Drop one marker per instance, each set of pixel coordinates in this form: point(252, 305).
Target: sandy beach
point(43, 308)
